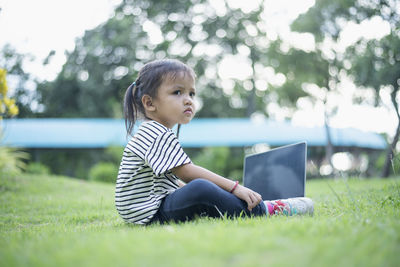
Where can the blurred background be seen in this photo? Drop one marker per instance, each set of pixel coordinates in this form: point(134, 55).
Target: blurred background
point(326, 64)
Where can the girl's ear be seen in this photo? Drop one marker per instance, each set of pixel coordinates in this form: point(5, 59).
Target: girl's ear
point(147, 102)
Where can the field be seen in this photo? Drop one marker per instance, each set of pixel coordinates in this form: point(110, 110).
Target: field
point(59, 221)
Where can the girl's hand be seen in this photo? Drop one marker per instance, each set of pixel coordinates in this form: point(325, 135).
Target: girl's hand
point(252, 198)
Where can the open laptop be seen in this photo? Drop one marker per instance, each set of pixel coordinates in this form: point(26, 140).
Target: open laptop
point(278, 173)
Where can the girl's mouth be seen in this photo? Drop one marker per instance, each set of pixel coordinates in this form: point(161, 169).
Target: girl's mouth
point(188, 111)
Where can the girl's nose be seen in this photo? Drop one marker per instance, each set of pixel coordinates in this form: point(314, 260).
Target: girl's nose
point(188, 100)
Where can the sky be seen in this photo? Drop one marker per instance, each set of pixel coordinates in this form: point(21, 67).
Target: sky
point(40, 26)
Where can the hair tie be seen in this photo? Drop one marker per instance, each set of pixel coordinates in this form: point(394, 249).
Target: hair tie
point(138, 92)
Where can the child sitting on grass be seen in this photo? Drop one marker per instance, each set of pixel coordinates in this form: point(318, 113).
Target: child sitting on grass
point(149, 186)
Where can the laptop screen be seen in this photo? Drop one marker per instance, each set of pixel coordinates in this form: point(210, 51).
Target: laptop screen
point(279, 173)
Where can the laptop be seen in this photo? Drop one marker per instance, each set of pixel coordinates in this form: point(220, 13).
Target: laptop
point(278, 173)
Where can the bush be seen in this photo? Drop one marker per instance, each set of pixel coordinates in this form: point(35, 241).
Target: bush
point(395, 163)
point(12, 160)
point(77, 162)
point(224, 161)
point(213, 158)
point(104, 172)
point(114, 154)
point(37, 168)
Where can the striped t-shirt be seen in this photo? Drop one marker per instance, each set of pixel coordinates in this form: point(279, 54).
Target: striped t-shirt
point(145, 176)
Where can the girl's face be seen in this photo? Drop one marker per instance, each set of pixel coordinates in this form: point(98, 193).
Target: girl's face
point(174, 102)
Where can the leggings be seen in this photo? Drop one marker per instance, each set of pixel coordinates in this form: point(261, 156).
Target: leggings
point(201, 198)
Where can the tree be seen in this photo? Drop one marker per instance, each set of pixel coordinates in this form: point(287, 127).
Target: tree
point(107, 58)
point(13, 63)
point(11, 160)
point(379, 66)
point(319, 67)
point(7, 105)
point(372, 63)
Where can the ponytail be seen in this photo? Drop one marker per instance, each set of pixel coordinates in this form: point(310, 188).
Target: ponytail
point(130, 108)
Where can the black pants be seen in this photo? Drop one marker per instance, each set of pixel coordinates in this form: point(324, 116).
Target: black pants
point(203, 198)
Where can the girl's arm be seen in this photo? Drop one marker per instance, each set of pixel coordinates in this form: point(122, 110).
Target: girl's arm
point(189, 172)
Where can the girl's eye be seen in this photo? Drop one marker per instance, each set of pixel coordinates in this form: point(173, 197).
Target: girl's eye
point(192, 94)
point(177, 92)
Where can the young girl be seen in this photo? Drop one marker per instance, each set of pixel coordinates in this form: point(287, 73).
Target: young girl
point(154, 169)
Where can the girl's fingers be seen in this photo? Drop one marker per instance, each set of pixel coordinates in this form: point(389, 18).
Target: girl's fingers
point(249, 203)
point(259, 198)
point(254, 200)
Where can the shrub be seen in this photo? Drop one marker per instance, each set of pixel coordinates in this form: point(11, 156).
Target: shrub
point(395, 163)
point(104, 172)
point(37, 168)
point(114, 154)
point(224, 161)
point(12, 160)
point(213, 158)
point(7, 105)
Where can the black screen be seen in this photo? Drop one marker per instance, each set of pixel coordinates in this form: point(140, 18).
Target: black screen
point(279, 173)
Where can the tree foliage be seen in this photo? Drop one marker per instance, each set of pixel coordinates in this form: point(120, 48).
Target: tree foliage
point(7, 105)
point(378, 66)
point(301, 68)
point(107, 59)
point(373, 63)
point(11, 160)
point(13, 63)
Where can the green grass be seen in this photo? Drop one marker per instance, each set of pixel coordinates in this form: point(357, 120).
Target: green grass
point(56, 221)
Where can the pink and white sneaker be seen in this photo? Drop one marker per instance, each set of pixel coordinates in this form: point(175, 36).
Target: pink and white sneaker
point(290, 206)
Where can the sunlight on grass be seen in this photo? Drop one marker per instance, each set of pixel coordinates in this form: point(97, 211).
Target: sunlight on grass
point(57, 221)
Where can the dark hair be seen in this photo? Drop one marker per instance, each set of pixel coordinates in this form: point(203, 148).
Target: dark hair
point(147, 83)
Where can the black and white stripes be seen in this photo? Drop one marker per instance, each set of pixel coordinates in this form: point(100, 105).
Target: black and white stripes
point(144, 177)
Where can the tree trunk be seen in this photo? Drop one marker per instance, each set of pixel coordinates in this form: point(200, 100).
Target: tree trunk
point(251, 98)
point(390, 153)
point(329, 145)
point(392, 147)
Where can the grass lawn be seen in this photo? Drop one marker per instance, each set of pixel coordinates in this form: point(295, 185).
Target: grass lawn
point(56, 221)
